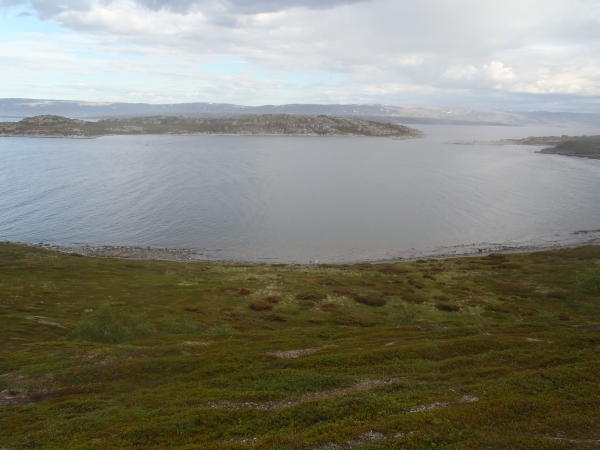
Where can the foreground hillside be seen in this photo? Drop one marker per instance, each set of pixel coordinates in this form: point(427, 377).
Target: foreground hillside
point(497, 352)
point(281, 124)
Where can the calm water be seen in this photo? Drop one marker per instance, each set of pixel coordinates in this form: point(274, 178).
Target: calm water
point(295, 199)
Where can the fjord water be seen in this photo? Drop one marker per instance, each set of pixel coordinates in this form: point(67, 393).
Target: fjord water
point(296, 199)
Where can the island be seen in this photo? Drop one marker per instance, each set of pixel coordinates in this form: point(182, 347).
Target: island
point(580, 146)
point(251, 124)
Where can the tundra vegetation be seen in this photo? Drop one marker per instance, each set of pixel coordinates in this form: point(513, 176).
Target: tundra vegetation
point(498, 351)
point(253, 124)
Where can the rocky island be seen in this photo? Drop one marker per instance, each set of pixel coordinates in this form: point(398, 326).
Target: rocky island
point(254, 124)
point(580, 146)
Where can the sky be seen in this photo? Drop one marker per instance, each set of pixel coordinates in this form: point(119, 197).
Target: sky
point(509, 54)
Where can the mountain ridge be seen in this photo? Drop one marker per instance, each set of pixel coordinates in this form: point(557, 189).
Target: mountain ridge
point(22, 107)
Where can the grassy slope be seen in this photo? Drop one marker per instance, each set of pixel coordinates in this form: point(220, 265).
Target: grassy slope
point(585, 146)
point(408, 381)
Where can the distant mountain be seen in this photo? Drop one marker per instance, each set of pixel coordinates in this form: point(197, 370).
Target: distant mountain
point(21, 107)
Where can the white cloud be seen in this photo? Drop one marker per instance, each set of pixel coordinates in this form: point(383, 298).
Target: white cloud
point(462, 52)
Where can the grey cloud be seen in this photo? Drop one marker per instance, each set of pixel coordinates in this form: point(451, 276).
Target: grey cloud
point(459, 52)
point(8, 3)
point(243, 6)
point(47, 9)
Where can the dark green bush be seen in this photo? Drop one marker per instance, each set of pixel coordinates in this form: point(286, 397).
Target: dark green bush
point(311, 295)
point(104, 327)
point(589, 281)
point(414, 298)
point(448, 307)
point(371, 299)
point(180, 326)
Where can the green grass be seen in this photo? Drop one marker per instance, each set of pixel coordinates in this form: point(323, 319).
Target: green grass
point(584, 146)
point(471, 353)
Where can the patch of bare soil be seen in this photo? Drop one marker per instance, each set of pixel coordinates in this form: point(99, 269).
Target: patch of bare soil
point(431, 407)
point(17, 397)
point(362, 385)
point(200, 343)
point(575, 441)
point(296, 353)
point(369, 436)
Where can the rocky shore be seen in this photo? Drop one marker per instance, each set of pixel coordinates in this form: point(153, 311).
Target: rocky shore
point(574, 239)
point(532, 140)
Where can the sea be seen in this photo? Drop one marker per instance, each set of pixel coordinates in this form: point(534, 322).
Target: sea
point(300, 199)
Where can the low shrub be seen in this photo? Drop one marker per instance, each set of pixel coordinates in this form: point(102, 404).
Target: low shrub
point(307, 304)
point(559, 295)
point(103, 326)
point(245, 291)
point(329, 307)
point(475, 301)
point(180, 326)
point(371, 299)
point(274, 299)
point(513, 287)
point(310, 295)
point(564, 317)
point(345, 291)
point(509, 266)
point(260, 306)
point(276, 318)
point(416, 283)
point(448, 307)
point(407, 314)
point(589, 281)
point(355, 320)
point(395, 270)
point(499, 309)
point(414, 298)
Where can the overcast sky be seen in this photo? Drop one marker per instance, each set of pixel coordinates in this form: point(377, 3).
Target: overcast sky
point(509, 54)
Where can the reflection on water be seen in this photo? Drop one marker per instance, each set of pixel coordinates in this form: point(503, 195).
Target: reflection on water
point(295, 198)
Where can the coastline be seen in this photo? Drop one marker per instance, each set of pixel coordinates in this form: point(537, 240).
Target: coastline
point(588, 237)
point(396, 138)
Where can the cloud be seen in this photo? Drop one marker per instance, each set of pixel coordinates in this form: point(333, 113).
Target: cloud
point(242, 6)
point(461, 52)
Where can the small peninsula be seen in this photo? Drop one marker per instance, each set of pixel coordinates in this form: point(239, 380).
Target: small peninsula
point(253, 124)
point(580, 146)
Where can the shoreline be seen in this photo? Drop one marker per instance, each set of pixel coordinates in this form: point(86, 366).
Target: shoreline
point(397, 138)
point(592, 237)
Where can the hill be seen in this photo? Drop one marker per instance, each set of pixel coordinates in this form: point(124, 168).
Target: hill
point(266, 124)
point(20, 107)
